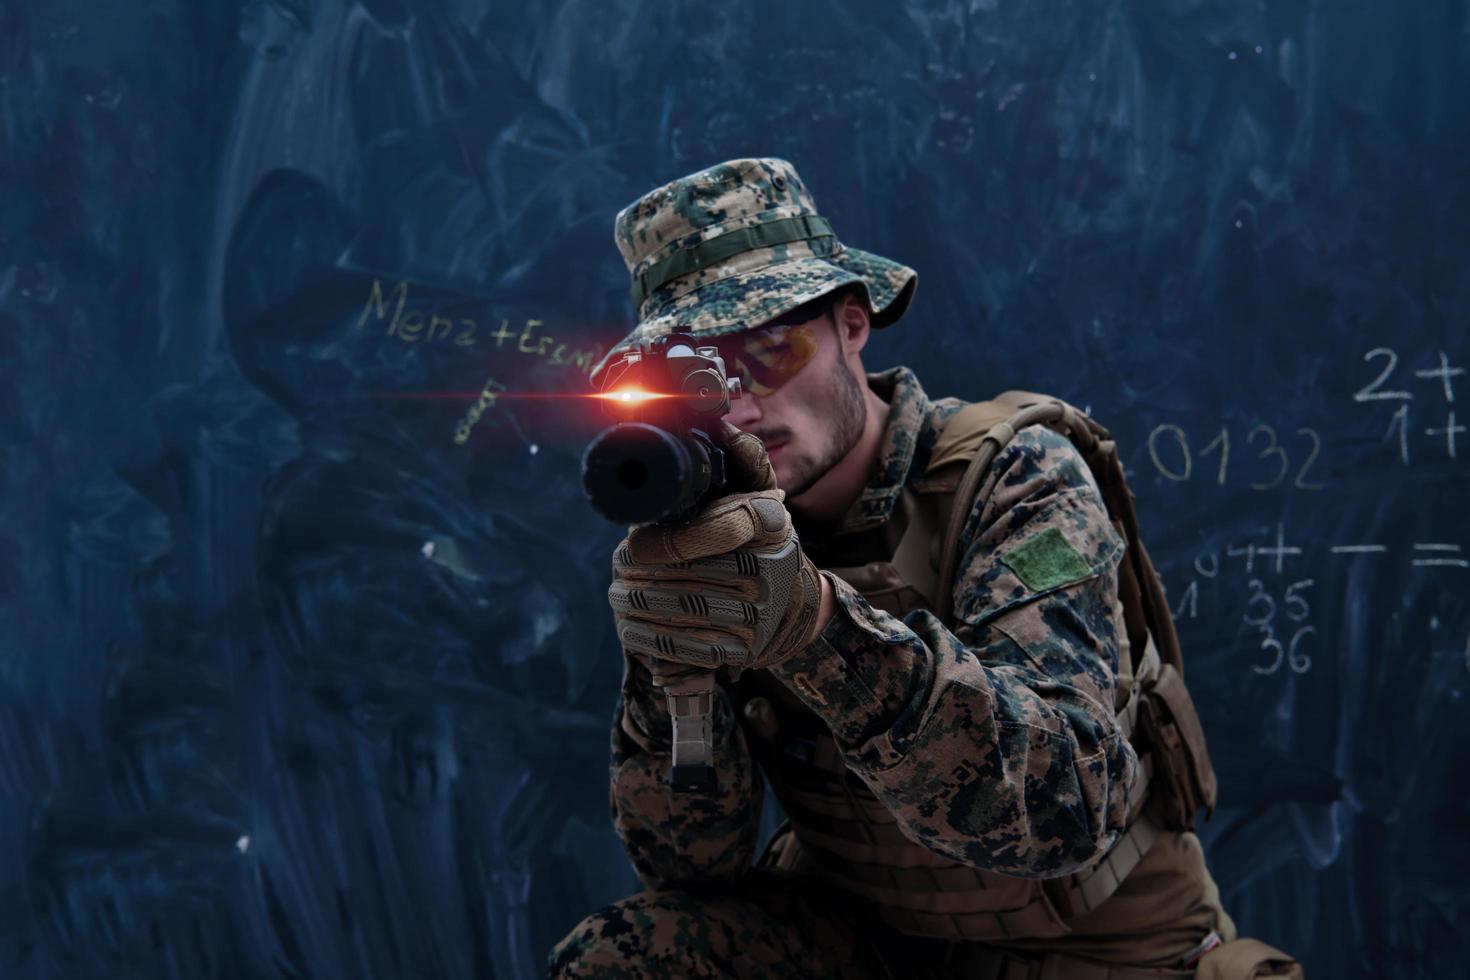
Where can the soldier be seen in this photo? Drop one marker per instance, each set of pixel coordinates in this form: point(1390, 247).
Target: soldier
point(954, 690)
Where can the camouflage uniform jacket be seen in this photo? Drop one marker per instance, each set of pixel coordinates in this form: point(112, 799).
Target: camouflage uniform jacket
point(995, 745)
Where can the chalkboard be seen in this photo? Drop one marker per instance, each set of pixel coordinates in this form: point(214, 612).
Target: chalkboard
point(307, 664)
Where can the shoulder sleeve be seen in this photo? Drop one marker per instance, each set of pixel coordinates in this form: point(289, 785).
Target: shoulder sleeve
point(1036, 535)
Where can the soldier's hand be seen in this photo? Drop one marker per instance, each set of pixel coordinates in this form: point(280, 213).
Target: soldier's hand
point(730, 587)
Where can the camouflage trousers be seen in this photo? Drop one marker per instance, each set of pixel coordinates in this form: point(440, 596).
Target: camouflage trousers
point(769, 923)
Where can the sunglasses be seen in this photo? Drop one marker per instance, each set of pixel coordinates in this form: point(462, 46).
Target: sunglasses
point(766, 358)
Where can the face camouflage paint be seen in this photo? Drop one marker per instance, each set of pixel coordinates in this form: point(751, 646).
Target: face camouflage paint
point(766, 358)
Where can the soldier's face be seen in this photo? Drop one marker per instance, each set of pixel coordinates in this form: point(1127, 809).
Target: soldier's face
point(815, 416)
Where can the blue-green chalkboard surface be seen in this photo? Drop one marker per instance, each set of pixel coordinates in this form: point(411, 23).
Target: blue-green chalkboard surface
point(306, 666)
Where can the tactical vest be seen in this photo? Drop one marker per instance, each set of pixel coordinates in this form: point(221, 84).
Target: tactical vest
point(839, 829)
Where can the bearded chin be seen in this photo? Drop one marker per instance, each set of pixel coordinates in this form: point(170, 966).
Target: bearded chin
point(845, 429)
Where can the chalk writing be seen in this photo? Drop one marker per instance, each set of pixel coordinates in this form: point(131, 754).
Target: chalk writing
point(1280, 616)
point(1444, 373)
point(1423, 548)
point(1189, 601)
point(1260, 612)
point(488, 394)
point(1398, 423)
point(411, 326)
point(1449, 431)
point(1427, 554)
point(1279, 551)
point(1370, 392)
point(1439, 562)
point(1271, 450)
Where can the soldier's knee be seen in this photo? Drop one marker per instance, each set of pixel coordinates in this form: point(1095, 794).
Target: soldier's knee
point(663, 933)
point(583, 952)
point(628, 938)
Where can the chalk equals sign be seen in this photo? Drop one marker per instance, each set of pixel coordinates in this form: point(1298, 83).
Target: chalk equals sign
point(1441, 549)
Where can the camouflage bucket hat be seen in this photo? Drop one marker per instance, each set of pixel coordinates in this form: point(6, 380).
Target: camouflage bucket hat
point(736, 245)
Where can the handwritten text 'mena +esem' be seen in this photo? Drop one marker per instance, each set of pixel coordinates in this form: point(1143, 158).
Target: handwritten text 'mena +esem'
point(412, 326)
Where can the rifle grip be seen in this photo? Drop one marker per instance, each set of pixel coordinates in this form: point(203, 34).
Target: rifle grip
point(690, 695)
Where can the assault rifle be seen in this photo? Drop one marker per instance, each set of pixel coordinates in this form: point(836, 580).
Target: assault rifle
point(659, 464)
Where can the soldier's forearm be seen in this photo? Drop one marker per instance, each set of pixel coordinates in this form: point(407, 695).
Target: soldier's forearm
point(978, 753)
point(671, 837)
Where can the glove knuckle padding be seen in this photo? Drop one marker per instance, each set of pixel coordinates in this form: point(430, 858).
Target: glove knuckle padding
point(730, 587)
point(637, 636)
point(724, 526)
point(722, 566)
point(715, 536)
point(626, 599)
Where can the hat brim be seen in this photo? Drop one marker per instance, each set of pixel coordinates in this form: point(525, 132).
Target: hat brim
point(746, 301)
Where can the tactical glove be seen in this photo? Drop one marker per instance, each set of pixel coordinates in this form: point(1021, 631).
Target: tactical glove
point(730, 587)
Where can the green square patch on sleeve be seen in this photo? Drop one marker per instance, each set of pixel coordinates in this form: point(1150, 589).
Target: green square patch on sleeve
point(1047, 561)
